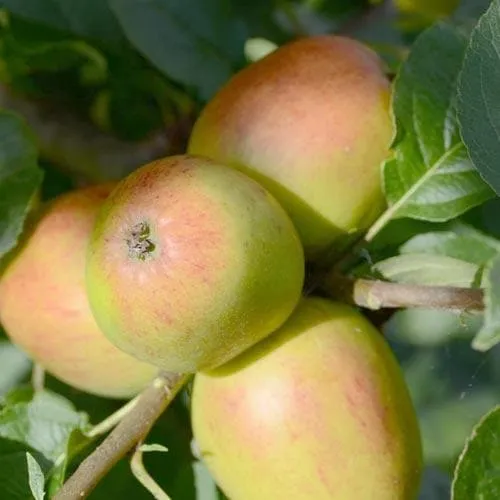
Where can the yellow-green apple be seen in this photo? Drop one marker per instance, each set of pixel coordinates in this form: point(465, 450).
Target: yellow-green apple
point(319, 409)
point(190, 263)
point(311, 121)
point(44, 307)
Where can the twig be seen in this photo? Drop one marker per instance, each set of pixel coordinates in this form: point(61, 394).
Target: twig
point(376, 294)
point(134, 427)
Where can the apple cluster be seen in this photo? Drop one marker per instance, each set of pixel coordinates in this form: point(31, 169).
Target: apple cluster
point(196, 264)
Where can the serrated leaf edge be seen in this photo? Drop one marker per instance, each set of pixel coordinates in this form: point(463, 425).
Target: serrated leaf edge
point(466, 447)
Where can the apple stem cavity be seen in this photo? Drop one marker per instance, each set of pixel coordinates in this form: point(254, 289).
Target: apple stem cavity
point(139, 243)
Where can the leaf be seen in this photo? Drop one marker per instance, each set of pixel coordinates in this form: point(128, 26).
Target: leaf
point(153, 447)
point(14, 470)
point(477, 474)
point(36, 477)
point(45, 423)
point(489, 335)
point(430, 176)
point(15, 366)
point(199, 44)
point(478, 109)
point(89, 19)
point(463, 243)
point(75, 443)
point(20, 178)
point(432, 270)
point(257, 48)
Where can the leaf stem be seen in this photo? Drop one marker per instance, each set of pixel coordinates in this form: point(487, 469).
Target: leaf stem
point(142, 475)
point(108, 423)
point(132, 429)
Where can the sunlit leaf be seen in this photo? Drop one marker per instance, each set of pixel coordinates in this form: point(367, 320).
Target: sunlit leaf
point(430, 176)
point(423, 269)
point(477, 474)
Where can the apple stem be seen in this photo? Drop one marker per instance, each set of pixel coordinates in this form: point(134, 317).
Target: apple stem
point(38, 377)
point(132, 429)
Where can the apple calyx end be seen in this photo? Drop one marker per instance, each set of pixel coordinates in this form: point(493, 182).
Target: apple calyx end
point(140, 245)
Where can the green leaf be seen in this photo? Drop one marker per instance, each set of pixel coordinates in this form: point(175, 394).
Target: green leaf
point(89, 19)
point(20, 394)
point(198, 44)
point(20, 178)
point(463, 243)
point(15, 366)
point(489, 335)
point(14, 470)
point(424, 269)
point(477, 474)
point(478, 109)
point(257, 48)
point(45, 423)
point(36, 477)
point(430, 176)
point(146, 448)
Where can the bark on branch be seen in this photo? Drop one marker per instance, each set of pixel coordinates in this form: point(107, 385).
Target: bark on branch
point(377, 294)
point(134, 427)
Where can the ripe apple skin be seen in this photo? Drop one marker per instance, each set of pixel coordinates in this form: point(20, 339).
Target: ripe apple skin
point(190, 263)
point(319, 409)
point(44, 307)
point(312, 123)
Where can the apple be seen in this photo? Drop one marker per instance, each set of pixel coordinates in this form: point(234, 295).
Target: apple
point(318, 410)
point(312, 123)
point(44, 307)
point(190, 263)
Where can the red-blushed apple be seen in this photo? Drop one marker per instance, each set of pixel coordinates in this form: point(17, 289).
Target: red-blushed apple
point(311, 122)
point(190, 263)
point(44, 307)
point(317, 410)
